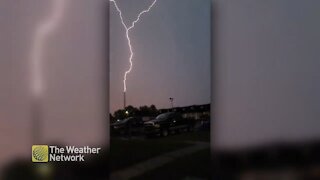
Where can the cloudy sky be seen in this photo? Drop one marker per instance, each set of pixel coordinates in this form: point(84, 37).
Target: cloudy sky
point(172, 53)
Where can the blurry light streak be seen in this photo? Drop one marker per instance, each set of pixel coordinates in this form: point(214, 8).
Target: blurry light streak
point(43, 30)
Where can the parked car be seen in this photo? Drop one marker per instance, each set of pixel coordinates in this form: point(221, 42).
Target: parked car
point(167, 123)
point(204, 125)
point(128, 126)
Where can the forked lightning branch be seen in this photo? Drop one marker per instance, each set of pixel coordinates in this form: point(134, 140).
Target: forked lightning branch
point(128, 28)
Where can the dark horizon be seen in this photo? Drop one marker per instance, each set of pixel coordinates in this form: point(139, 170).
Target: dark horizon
point(163, 108)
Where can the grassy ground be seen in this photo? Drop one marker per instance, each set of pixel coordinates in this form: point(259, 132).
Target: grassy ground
point(196, 165)
point(124, 153)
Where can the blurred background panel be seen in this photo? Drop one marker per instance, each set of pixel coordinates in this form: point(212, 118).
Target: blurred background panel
point(266, 81)
point(72, 106)
point(267, 71)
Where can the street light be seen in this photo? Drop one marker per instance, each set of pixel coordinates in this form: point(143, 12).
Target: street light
point(171, 101)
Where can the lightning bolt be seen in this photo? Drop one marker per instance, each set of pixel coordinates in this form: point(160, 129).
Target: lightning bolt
point(128, 28)
point(43, 30)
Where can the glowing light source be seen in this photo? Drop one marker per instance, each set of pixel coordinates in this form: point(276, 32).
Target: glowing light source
point(128, 28)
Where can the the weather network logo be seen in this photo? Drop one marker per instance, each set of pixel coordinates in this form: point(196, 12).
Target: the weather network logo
point(40, 153)
point(50, 153)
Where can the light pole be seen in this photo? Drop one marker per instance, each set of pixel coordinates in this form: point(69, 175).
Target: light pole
point(171, 101)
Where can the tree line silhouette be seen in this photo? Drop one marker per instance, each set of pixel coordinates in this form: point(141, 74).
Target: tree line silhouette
point(134, 111)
